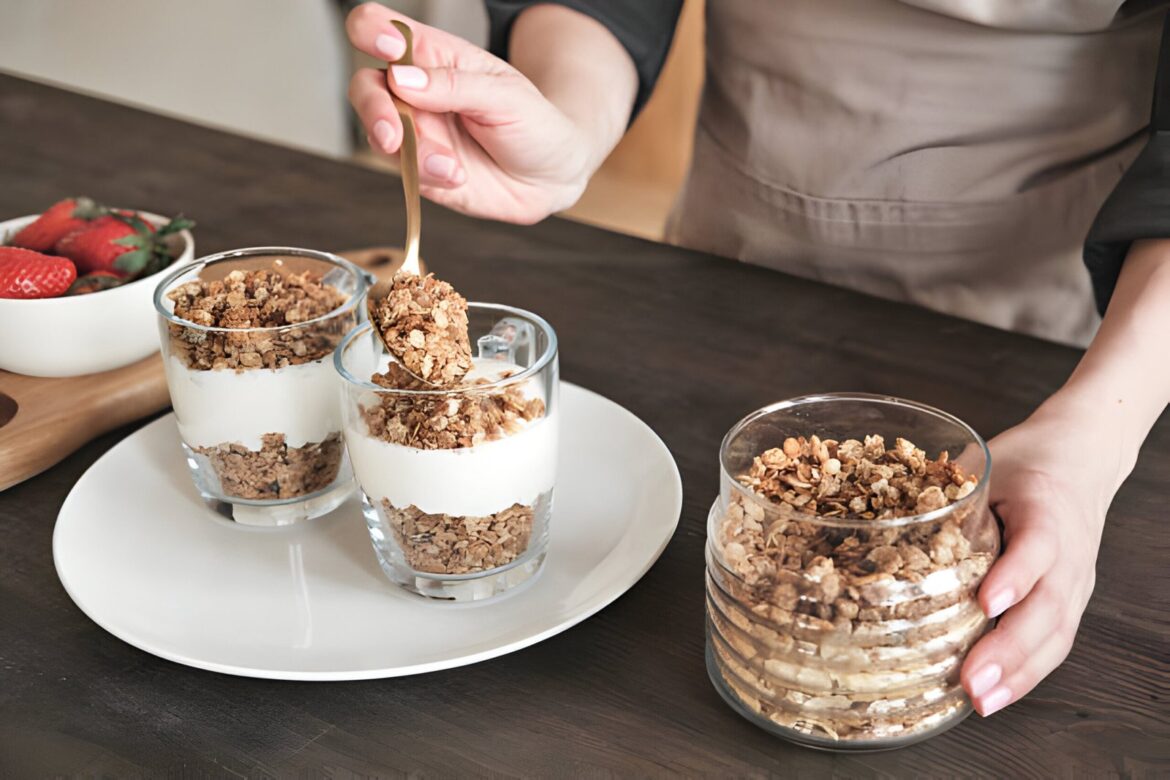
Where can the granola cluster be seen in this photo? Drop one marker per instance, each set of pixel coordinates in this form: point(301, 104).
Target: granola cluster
point(450, 421)
point(831, 622)
point(444, 544)
point(275, 471)
point(858, 479)
point(246, 300)
point(424, 323)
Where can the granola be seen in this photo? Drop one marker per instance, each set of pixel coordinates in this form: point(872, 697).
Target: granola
point(247, 300)
point(829, 621)
point(275, 471)
point(448, 421)
point(445, 544)
point(423, 322)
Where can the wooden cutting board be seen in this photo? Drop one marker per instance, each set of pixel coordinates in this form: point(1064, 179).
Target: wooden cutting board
point(42, 420)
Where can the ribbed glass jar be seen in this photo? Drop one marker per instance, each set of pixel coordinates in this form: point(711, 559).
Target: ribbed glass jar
point(844, 632)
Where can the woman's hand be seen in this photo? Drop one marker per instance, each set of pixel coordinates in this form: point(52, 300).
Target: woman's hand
point(1053, 478)
point(490, 143)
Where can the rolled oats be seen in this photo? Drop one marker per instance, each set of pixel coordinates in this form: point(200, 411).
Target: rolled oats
point(447, 421)
point(246, 300)
point(423, 322)
point(446, 544)
point(275, 471)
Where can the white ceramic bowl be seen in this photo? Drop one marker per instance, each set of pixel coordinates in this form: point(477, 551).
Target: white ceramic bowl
point(83, 334)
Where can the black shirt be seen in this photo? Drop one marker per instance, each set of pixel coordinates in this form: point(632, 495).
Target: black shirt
point(1138, 208)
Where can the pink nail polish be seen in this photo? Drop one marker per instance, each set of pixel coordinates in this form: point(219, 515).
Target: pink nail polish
point(384, 133)
point(409, 76)
point(983, 679)
point(995, 701)
point(390, 46)
point(440, 166)
point(1000, 602)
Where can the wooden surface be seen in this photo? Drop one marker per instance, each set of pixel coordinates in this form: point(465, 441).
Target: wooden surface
point(55, 416)
point(687, 342)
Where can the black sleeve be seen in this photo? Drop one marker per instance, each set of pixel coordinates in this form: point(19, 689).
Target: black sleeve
point(1140, 205)
point(644, 27)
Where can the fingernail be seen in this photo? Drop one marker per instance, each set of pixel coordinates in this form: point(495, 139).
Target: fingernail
point(995, 701)
point(983, 679)
point(440, 166)
point(384, 132)
point(999, 602)
point(390, 46)
point(409, 76)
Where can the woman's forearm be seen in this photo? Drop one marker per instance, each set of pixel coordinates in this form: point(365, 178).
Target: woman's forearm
point(1123, 381)
point(581, 68)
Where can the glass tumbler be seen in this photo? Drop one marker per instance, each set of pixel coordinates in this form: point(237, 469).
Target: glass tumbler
point(457, 485)
point(846, 633)
point(257, 407)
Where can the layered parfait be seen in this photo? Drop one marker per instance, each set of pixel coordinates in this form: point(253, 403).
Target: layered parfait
point(455, 450)
point(247, 351)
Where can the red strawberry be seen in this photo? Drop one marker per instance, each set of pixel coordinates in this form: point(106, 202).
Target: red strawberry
point(121, 243)
point(61, 218)
point(28, 274)
point(92, 245)
point(94, 282)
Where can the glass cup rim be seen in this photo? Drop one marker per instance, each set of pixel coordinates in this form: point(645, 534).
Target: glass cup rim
point(539, 365)
point(850, 521)
point(259, 251)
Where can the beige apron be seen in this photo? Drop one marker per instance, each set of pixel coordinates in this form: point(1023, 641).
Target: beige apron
point(952, 153)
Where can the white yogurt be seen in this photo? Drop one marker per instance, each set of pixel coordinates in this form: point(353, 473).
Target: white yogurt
point(469, 481)
point(223, 405)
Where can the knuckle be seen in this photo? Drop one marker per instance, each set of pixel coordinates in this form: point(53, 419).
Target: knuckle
point(364, 14)
point(450, 80)
point(1066, 629)
point(357, 85)
point(367, 105)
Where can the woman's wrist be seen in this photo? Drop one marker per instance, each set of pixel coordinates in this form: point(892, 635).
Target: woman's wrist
point(583, 70)
point(1122, 384)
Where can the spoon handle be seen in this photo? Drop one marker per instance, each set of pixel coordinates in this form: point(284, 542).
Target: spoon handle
point(408, 157)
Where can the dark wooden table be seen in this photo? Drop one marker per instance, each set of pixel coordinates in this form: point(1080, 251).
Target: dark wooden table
point(689, 343)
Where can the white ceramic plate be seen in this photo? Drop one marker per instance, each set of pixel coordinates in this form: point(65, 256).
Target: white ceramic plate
point(143, 557)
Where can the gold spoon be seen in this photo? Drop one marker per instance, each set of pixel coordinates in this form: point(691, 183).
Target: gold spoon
point(408, 160)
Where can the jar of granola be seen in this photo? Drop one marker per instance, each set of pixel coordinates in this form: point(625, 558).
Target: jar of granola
point(844, 555)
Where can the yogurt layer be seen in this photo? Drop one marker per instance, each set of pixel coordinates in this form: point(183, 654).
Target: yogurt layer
point(466, 482)
point(218, 406)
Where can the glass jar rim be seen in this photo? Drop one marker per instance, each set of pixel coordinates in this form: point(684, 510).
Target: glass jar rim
point(852, 521)
point(260, 251)
point(542, 362)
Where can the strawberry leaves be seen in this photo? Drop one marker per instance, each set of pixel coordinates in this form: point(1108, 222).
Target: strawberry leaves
point(88, 208)
point(150, 253)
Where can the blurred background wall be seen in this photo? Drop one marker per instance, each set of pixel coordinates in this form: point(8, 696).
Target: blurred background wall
point(278, 70)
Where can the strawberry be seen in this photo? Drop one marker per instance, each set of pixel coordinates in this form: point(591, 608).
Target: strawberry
point(92, 246)
point(28, 274)
point(94, 282)
point(120, 243)
point(50, 227)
